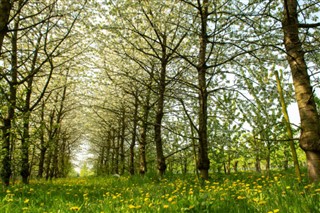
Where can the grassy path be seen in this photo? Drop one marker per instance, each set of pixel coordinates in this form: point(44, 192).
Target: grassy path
point(241, 192)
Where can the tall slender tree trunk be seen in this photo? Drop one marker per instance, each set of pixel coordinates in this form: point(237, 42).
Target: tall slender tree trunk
point(161, 161)
point(43, 146)
point(288, 127)
point(203, 159)
point(134, 135)
point(25, 166)
point(144, 128)
point(6, 170)
point(310, 124)
point(122, 139)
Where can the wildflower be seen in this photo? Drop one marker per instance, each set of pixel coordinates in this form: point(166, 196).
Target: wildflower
point(317, 190)
point(26, 201)
point(75, 208)
point(165, 206)
point(131, 206)
point(134, 207)
point(241, 197)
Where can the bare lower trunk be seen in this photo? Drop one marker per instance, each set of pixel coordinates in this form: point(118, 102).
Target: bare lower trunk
point(235, 166)
point(258, 165)
point(41, 162)
point(203, 159)
point(313, 163)
point(6, 159)
point(161, 161)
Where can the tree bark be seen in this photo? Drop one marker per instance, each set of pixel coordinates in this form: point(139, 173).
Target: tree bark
point(144, 128)
point(134, 135)
point(161, 161)
point(310, 125)
point(203, 160)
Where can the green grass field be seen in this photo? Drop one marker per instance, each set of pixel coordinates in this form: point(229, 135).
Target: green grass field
point(240, 192)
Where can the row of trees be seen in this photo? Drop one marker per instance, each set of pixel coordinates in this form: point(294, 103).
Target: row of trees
point(38, 48)
point(197, 80)
point(173, 85)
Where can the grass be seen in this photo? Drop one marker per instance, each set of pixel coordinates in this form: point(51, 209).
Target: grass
point(240, 192)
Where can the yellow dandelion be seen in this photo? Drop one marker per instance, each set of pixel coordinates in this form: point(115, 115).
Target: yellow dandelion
point(241, 197)
point(276, 210)
point(26, 201)
point(75, 208)
point(165, 206)
point(132, 206)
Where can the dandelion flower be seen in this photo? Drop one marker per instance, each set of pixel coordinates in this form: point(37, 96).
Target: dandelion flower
point(241, 197)
point(26, 201)
point(165, 206)
point(75, 208)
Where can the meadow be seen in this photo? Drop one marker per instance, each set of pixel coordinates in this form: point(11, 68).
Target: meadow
point(238, 192)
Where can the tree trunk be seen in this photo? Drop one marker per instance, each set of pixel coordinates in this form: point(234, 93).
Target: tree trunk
point(258, 164)
point(43, 146)
point(144, 128)
point(5, 8)
point(235, 166)
point(203, 159)
point(310, 126)
point(289, 130)
point(48, 163)
point(25, 151)
point(25, 166)
point(122, 139)
point(41, 162)
point(134, 135)
point(6, 169)
point(142, 145)
point(313, 163)
point(161, 161)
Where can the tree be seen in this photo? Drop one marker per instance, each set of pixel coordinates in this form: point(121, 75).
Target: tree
point(310, 123)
